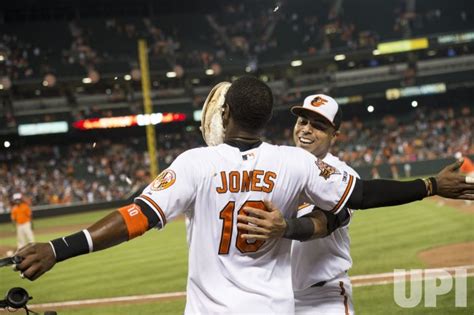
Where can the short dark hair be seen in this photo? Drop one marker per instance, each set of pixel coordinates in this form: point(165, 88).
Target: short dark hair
point(338, 118)
point(251, 102)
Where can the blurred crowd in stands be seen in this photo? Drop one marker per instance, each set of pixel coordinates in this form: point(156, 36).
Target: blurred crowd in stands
point(426, 135)
point(78, 173)
point(255, 31)
point(106, 170)
point(236, 30)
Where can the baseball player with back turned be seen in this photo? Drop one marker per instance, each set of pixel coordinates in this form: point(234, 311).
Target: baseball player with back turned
point(227, 273)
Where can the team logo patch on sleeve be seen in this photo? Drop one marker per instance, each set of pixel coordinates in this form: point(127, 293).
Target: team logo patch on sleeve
point(326, 169)
point(164, 180)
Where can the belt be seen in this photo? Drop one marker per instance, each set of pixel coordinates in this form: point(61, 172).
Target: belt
point(322, 283)
point(319, 284)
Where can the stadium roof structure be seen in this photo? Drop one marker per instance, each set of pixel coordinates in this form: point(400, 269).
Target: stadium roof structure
point(34, 10)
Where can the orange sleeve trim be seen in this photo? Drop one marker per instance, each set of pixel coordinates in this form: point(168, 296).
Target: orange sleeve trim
point(346, 193)
point(157, 208)
point(136, 221)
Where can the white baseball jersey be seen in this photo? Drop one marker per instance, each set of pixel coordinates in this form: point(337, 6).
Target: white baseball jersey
point(326, 258)
point(227, 274)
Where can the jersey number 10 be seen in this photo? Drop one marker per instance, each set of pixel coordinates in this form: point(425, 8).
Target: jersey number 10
point(227, 216)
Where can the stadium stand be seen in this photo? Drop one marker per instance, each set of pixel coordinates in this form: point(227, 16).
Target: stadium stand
point(42, 80)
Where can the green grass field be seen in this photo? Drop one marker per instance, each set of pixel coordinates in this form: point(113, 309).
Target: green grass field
point(382, 240)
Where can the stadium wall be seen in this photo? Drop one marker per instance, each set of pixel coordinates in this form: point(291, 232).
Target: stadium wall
point(421, 168)
point(54, 210)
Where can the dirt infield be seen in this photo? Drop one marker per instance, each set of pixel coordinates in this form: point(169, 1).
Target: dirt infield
point(452, 254)
point(460, 205)
point(6, 250)
point(449, 255)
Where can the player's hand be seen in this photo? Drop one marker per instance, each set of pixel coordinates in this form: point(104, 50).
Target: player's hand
point(260, 224)
point(452, 184)
point(37, 258)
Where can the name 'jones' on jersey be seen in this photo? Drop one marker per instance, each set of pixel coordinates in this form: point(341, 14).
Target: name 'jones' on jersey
point(256, 180)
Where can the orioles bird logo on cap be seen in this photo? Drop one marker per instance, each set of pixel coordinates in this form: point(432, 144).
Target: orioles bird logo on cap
point(318, 101)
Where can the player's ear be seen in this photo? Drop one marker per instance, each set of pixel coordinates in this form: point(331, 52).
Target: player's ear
point(334, 138)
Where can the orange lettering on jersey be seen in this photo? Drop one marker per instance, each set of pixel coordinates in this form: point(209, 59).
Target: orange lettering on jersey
point(246, 180)
point(269, 181)
point(223, 189)
point(256, 178)
point(234, 181)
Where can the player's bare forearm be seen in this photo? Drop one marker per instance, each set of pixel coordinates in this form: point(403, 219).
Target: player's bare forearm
point(38, 258)
point(262, 224)
point(109, 231)
point(320, 223)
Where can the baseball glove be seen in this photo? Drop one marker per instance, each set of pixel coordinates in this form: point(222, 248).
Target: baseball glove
point(212, 127)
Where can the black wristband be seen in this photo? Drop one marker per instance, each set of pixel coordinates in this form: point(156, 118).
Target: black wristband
point(300, 229)
point(335, 221)
point(70, 246)
point(434, 185)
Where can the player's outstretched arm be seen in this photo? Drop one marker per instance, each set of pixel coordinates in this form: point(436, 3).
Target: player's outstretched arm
point(115, 228)
point(381, 193)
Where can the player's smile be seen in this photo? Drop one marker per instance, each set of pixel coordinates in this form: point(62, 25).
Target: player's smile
point(304, 140)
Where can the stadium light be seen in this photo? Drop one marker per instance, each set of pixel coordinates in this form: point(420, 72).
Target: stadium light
point(370, 108)
point(171, 74)
point(127, 77)
point(340, 57)
point(6, 144)
point(45, 83)
point(375, 52)
point(209, 71)
point(414, 104)
point(248, 69)
point(1, 86)
point(296, 63)
point(86, 80)
point(2, 58)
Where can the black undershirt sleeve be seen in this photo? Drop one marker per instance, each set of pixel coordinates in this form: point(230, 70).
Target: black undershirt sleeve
point(382, 193)
point(153, 219)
